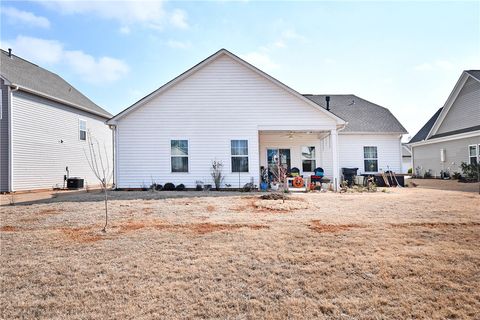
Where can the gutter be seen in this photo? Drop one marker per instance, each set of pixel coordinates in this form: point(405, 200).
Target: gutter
point(114, 153)
point(11, 88)
point(49, 97)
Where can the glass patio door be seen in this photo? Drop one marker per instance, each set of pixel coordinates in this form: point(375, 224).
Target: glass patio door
point(274, 154)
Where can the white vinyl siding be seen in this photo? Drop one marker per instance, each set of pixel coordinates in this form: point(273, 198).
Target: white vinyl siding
point(465, 110)
point(351, 152)
point(1, 104)
point(45, 140)
point(221, 102)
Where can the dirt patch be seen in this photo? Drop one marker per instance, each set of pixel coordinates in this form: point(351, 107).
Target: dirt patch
point(48, 211)
point(211, 208)
point(10, 229)
point(131, 226)
point(274, 196)
point(207, 227)
point(147, 211)
point(318, 226)
point(435, 225)
point(83, 234)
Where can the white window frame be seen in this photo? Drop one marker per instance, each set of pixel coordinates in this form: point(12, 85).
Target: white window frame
point(239, 156)
point(314, 158)
point(80, 129)
point(364, 159)
point(178, 156)
point(477, 151)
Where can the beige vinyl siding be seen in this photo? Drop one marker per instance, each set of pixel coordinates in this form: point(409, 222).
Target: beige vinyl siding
point(465, 110)
point(427, 157)
point(222, 101)
point(4, 139)
point(38, 128)
point(388, 151)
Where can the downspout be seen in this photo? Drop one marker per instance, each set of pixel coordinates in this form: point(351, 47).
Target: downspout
point(114, 151)
point(11, 88)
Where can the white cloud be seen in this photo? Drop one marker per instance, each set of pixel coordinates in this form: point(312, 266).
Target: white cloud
point(52, 52)
point(179, 19)
point(260, 60)
point(16, 16)
point(178, 44)
point(150, 14)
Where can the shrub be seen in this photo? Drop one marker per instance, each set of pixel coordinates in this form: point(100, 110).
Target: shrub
point(470, 171)
point(217, 174)
point(180, 187)
point(456, 175)
point(158, 187)
point(410, 170)
point(427, 174)
point(169, 186)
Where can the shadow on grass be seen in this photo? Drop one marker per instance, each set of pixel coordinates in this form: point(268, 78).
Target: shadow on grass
point(98, 196)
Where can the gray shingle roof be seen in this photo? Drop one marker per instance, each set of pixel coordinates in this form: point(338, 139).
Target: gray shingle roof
point(474, 73)
point(361, 115)
point(423, 132)
point(26, 74)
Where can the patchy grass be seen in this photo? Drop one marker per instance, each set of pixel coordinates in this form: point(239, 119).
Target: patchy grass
point(409, 253)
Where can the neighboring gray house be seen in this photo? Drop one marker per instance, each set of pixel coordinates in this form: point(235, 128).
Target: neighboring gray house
point(452, 135)
point(43, 125)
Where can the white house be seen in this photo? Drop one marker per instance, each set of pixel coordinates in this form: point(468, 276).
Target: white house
point(43, 126)
point(225, 109)
point(452, 135)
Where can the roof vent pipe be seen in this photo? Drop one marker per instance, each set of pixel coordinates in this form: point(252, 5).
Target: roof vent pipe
point(327, 98)
point(9, 52)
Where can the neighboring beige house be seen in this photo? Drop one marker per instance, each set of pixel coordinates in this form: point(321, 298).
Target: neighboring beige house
point(225, 109)
point(43, 126)
point(452, 135)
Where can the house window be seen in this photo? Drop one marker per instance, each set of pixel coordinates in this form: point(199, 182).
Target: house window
point(82, 127)
point(370, 159)
point(473, 156)
point(308, 159)
point(179, 155)
point(239, 152)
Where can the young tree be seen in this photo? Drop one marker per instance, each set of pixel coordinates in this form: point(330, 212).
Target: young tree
point(217, 174)
point(100, 166)
point(280, 176)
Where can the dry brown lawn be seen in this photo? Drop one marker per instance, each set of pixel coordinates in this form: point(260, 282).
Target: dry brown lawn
point(404, 254)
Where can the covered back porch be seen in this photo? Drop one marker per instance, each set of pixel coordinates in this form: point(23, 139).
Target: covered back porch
point(301, 148)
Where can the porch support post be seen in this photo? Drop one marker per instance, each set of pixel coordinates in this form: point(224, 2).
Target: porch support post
point(335, 162)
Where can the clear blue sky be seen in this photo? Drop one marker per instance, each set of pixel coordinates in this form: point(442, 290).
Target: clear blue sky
point(406, 56)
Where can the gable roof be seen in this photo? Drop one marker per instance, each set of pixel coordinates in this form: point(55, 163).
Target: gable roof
point(423, 132)
point(205, 62)
point(474, 74)
point(34, 79)
point(361, 115)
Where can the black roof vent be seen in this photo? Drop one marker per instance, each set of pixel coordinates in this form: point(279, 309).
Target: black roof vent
point(9, 52)
point(327, 99)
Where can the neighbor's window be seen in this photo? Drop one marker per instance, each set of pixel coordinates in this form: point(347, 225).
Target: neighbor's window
point(308, 159)
point(239, 152)
point(473, 154)
point(82, 127)
point(179, 154)
point(370, 159)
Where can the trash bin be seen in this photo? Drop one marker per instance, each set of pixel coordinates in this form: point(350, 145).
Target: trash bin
point(349, 175)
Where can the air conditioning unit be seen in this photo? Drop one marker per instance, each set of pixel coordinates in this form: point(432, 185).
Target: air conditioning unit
point(442, 155)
